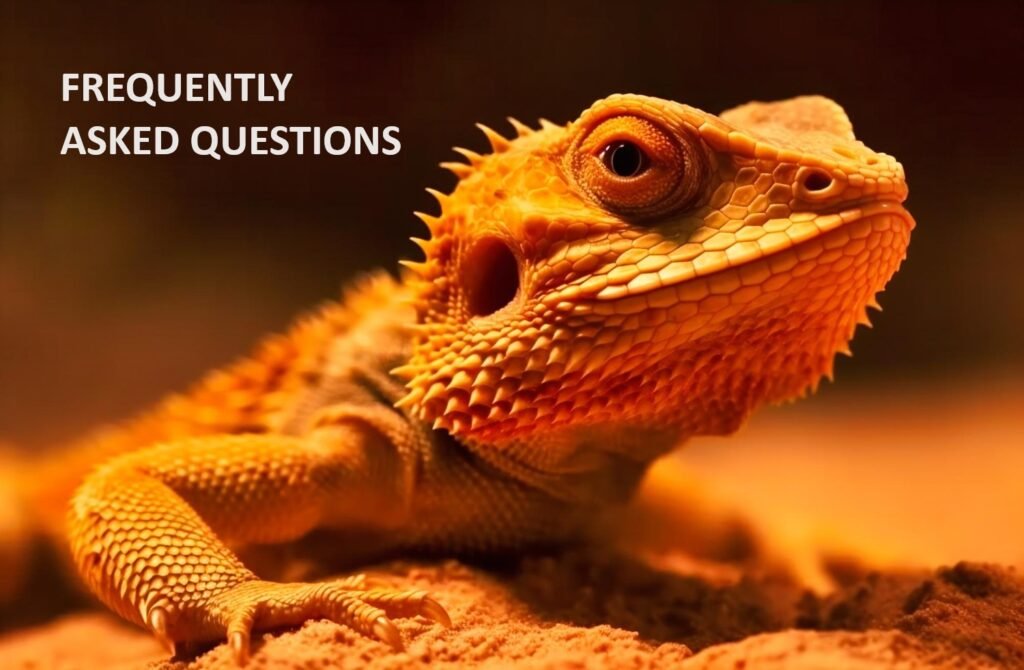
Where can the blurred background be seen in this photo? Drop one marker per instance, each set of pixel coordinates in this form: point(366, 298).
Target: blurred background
point(124, 277)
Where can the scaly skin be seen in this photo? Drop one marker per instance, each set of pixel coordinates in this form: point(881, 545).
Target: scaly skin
point(592, 295)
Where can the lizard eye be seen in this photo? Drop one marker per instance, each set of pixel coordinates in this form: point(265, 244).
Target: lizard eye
point(624, 159)
point(635, 167)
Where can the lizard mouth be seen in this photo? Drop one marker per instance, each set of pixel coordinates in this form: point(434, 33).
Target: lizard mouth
point(862, 210)
point(828, 228)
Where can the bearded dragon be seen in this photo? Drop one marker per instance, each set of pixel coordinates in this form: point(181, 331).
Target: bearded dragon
point(591, 296)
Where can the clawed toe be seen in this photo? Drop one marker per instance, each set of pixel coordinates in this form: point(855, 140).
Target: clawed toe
point(398, 604)
point(268, 605)
point(402, 604)
point(239, 643)
point(435, 612)
point(158, 624)
point(240, 632)
point(262, 605)
point(388, 632)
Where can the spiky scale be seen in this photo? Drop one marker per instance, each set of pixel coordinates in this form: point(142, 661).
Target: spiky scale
point(425, 245)
point(552, 373)
point(473, 157)
point(461, 380)
point(433, 223)
point(442, 198)
point(499, 143)
point(522, 130)
point(488, 376)
point(460, 170)
point(437, 390)
point(519, 406)
point(420, 268)
point(455, 405)
point(481, 396)
point(504, 392)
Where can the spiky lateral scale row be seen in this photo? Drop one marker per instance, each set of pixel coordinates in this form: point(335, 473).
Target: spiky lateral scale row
point(243, 397)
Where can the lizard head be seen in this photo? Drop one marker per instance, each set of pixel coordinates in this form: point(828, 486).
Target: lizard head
point(650, 264)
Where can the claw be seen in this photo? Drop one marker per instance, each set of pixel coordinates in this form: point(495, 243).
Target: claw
point(239, 642)
point(432, 609)
point(240, 632)
point(388, 632)
point(158, 622)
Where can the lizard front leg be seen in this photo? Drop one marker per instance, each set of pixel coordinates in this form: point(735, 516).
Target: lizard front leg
point(150, 530)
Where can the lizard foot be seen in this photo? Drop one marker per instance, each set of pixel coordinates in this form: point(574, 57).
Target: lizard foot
point(237, 611)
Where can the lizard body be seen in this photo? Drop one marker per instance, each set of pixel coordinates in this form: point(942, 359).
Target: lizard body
point(591, 295)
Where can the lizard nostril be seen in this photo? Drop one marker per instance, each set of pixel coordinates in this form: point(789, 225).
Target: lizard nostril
point(490, 276)
point(817, 181)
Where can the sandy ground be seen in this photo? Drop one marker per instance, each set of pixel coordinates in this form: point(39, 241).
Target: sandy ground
point(924, 479)
point(580, 610)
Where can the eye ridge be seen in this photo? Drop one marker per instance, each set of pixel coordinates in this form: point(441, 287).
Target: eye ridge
point(624, 159)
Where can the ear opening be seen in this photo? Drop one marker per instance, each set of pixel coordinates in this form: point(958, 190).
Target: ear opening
point(490, 276)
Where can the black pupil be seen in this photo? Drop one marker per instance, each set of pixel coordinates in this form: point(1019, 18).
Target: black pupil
point(624, 159)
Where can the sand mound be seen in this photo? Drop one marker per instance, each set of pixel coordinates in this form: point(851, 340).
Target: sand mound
point(585, 610)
